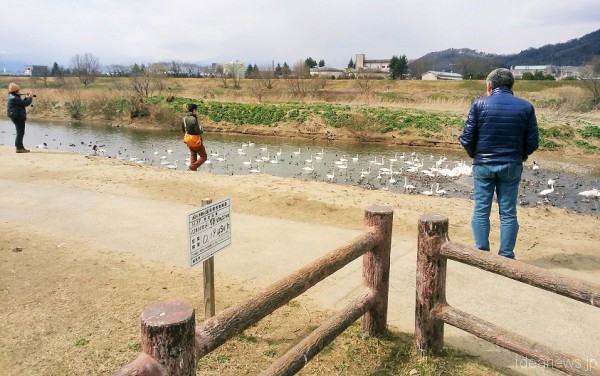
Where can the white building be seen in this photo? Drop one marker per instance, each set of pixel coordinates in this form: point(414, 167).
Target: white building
point(326, 72)
point(518, 70)
point(435, 75)
point(234, 69)
point(379, 65)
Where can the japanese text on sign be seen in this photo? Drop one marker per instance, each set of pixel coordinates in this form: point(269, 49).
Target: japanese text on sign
point(209, 230)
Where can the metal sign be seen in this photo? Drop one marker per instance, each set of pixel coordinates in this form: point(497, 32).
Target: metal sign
point(209, 230)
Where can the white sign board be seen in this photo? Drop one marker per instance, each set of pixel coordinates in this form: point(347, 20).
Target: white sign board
point(209, 230)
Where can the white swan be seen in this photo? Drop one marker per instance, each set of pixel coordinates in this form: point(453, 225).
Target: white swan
point(546, 192)
point(429, 192)
point(173, 166)
point(438, 191)
point(594, 192)
point(331, 176)
point(408, 187)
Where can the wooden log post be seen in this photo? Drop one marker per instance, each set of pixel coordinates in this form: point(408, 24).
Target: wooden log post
point(168, 336)
point(376, 268)
point(431, 283)
point(208, 268)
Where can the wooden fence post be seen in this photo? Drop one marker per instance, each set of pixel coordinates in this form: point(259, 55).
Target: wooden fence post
point(208, 267)
point(376, 269)
point(431, 283)
point(168, 336)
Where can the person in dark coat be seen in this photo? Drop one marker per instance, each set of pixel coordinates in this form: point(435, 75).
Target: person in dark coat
point(18, 114)
point(500, 133)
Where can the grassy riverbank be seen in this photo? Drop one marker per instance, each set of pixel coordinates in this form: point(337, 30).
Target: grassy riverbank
point(400, 112)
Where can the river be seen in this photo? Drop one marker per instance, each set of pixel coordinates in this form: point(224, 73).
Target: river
point(371, 166)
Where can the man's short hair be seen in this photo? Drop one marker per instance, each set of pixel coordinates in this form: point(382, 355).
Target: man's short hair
point(192, 106)
point(501, 77)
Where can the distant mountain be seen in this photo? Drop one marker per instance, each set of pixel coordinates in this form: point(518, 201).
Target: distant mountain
point(574, 52)
point(12, 66)
point(470, 62)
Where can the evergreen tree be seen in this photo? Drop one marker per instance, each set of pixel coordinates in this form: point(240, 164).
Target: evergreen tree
point(249, 70)
point(278, 70)
point(321, 63)
point(56, 71)
point(351, 64)
point(285, 71)
point(310, 62)
point(398, 67)
point(135, 70)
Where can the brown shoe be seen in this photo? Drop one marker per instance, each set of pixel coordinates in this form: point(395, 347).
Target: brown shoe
point(22, 151)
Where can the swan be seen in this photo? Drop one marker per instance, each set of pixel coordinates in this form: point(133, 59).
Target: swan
point(355, 159)
point(546, 192)
point(308, 168)
point(429, 192)
point(438, 191)
point(173, 166)
point(255, 170)
point(408, 187)
point(331, 176)
point(594, 192)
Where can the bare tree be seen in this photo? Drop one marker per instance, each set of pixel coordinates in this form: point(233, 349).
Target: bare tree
point(258, 89)
point(220, 72)
point(86, 67)
point(147, 81)
point(590, 77)
point(267, 76)
point(297, 81)
point(420, 66)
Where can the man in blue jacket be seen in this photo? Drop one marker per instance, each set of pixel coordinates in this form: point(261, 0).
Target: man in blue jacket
point(500, 133)
point(17, 113)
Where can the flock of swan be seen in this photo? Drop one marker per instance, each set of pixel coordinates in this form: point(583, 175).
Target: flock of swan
point(402, 172)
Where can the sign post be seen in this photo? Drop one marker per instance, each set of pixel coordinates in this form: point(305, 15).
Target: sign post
point(209, 230)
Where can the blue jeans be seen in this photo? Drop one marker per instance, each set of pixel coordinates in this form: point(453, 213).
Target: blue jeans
point(504, 179)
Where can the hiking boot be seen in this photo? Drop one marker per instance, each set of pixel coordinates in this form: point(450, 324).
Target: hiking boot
point(22, 150)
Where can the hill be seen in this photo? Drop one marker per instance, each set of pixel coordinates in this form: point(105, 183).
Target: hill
point(467, 61)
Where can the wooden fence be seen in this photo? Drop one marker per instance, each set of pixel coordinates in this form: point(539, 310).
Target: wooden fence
point(432, 310)
point(172, 345)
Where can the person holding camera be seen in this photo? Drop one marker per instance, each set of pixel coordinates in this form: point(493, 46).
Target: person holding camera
point(18, 114)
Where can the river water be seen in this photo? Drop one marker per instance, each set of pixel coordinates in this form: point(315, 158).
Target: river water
point(371, 166)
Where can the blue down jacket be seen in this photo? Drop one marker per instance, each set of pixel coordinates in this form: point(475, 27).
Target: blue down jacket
point(500, 128)
point(16, 107)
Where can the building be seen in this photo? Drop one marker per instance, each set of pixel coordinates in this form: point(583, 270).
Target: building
point(36, 70)
point(435, 75)
point(568, 72)
point(379, 65)
point(326, 72)
point(234, 69)
point(518, 70)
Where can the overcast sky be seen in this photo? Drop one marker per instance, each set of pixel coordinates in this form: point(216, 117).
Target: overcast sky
point(259, 31)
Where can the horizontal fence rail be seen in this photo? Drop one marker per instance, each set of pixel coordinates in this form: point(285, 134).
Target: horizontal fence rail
point(432, 310)
point(374, 245)
point(573, 288)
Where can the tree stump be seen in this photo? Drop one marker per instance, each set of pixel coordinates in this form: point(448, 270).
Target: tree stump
point(168, 335)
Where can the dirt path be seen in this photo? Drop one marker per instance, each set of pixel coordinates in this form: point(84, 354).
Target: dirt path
point(101, 239)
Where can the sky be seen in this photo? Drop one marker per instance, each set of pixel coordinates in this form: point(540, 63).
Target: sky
point(40, 32)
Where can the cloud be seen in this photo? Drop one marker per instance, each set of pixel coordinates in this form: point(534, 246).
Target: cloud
point(264, 30)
